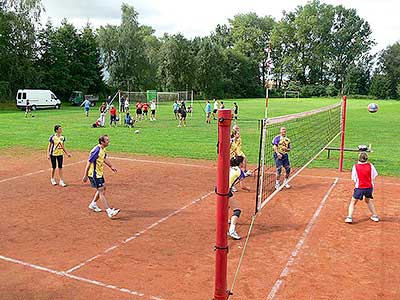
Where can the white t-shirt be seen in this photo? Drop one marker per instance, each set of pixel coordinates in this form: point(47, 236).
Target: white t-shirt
point(215, 104)
point(126, 103)
point(153, 106)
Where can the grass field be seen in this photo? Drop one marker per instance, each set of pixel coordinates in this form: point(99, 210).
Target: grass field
point(198, 140)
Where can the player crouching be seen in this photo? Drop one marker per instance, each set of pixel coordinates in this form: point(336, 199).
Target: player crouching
point(363, 174)
point(236, 175)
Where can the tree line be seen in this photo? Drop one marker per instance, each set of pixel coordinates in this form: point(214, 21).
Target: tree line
point(318, 50)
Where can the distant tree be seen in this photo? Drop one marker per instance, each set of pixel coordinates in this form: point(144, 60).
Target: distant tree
point(176, 68)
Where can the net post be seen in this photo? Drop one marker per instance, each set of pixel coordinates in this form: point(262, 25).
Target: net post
point(221, 248)
point(344, 106)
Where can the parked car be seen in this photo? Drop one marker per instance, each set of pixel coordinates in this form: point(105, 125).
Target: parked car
point(77, 97)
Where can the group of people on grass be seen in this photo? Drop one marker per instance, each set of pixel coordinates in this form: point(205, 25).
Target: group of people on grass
point(142, 112)
point(216, 106)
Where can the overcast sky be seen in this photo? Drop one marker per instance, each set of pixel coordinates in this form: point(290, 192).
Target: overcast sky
point(200, 17)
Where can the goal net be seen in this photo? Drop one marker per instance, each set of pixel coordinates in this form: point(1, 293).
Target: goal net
point(292, 94)
point(309, 133)
point(170, 97)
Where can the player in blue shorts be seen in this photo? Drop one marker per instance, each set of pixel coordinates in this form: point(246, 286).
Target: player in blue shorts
point(281, 146)
point(94, 172)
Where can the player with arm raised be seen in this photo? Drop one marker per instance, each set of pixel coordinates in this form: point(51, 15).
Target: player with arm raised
point(281, 146)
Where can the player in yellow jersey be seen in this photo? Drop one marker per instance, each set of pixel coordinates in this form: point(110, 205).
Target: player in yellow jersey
point(281, 146)
point(236, 175)
point(94, 170)
point(55, 153)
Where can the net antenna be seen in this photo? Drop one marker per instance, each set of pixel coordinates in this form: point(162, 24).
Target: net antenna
point(292, 94)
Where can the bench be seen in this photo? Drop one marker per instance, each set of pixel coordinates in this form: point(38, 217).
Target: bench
point(369, 149)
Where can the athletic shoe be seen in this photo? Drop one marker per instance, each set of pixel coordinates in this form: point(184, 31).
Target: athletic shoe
point(375, 218)
point(53, 181)
point(62, 183)
point(348, 220)
point(112, 212)
point(248, 173)
point(234, 235)
point(286, 184)
point(94, 207)
point(277, 186)
point(233, 189)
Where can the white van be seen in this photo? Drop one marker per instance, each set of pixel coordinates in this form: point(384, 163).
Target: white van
point(37, 99)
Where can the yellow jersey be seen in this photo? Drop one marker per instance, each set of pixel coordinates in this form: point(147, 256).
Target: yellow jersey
point(57, 145)
point(282, 143)
point(236, 148)
point(96, 159)
point(235, 174)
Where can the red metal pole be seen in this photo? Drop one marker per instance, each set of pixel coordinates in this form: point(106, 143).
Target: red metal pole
point(342, 135)
point(221, 248)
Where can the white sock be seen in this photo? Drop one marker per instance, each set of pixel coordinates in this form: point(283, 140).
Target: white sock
point(109, 209)
point(277, 181)
point(232, 228)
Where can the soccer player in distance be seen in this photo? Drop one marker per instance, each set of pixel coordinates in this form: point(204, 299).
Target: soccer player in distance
point(94, 171)
point(281, 146)
point(363, 174)
point(55, 153)
point(208, 112)
point(236, 175)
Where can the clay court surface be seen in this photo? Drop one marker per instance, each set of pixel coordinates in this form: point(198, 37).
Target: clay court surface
point(161, 244)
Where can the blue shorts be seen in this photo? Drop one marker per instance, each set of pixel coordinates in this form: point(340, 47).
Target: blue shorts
point(87, 108)
point(284, 161)
point(97, 182)
point(359, 194)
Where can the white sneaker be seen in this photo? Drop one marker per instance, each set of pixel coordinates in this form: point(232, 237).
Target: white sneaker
point(286, 184)
point(375, 218)
point(277, 186)
point(233, 189)
point(62, 183)
point(248, 173)
point(53, 181)
point(94, 207)
point(348, 220)
point(112, 212)
point(234, 235)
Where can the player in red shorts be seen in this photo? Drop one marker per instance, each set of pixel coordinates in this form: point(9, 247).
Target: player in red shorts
point(145, 108)
point(363, 174)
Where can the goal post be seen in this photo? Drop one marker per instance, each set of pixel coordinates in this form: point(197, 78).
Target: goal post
point(292, 94)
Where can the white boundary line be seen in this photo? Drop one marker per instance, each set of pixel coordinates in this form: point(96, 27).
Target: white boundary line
point(138, 234)
point(162, 162)
point(38, 172)
point(300, 244)
point(78, 278)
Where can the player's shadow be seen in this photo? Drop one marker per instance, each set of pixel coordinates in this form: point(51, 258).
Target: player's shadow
point(392, 219)
point(129, 214)
point(262, 229)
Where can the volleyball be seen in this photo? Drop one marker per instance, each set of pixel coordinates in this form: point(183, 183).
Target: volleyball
point(373, 107)
point(137, 131)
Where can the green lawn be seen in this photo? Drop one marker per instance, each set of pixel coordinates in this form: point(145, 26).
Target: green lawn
point(198, 140)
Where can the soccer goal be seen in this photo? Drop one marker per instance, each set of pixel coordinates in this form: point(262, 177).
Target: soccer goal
point(169, 97)
point(292, 94)
point(309, 133)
